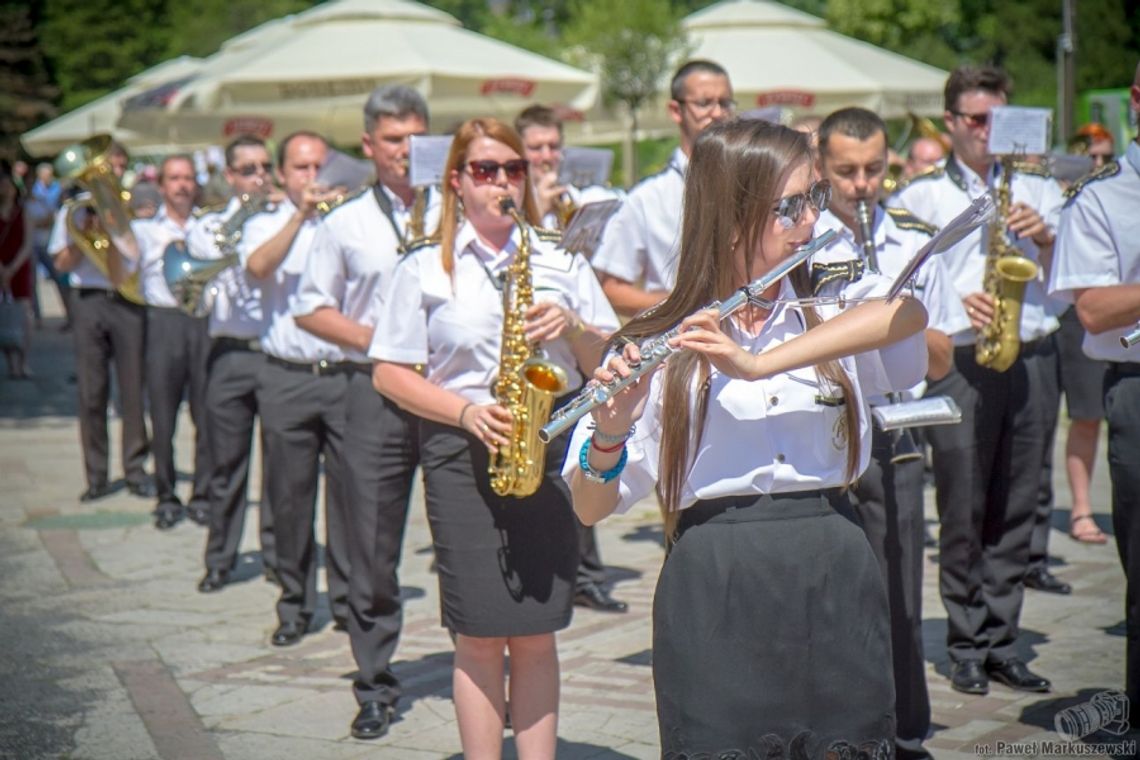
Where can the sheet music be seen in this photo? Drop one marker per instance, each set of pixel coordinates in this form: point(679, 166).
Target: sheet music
point(585, 229)
point(426, 158)
point(585, 167)
point(1018, 131)
point(976, 214)
point(342, 170)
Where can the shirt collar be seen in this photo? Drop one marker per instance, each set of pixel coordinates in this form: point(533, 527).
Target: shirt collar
point(679, 162)
point(162, 217)
point(467, 240)
point(881, 231)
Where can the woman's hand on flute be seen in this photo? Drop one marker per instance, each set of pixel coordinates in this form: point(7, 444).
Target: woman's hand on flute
point(620, 412)
point(701, 332)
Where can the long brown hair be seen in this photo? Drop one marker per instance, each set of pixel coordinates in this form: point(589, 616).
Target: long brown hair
point(735, 172)
point(468, 132)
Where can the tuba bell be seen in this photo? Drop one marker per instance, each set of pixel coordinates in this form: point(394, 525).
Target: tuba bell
point(88, 164)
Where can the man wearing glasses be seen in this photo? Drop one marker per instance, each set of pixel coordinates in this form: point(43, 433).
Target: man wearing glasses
point(637, 257)
point(987, 469)
point(233, 368)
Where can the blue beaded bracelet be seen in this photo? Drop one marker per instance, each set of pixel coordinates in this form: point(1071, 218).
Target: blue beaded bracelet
point(592, 475)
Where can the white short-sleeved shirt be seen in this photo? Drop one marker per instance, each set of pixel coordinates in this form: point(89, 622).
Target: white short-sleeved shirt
point(85, 274)
point(453, 325)
point(153, 235)
point(1098, 244)
point(778, 435)
point(236, 312)
point(281, 337)
point(642, 240)
point(354, 252)
point(941, 195)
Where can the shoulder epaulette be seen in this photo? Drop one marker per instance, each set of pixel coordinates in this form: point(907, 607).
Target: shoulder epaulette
point(340, 200)
point(1037, 170)
point(1110, 169)
point(908, 221)
point(215, 208)
point(549, 235)
point(423, 241)
point(930, 172)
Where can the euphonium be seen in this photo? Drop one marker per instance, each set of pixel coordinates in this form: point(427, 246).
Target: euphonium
point(87, 163)
point(188, 276)
point(527, 384)
point(1007, 273)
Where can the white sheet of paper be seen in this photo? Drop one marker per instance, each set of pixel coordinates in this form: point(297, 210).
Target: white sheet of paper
point(426, 159)
point(1019, 131)
point(585, 229)
point(584, 167)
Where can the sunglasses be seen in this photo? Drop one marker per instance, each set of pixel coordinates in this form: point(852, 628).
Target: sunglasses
point(484, 172)
point(704, 105)
point(251, 169)
point(975, 120)
point(790, 209)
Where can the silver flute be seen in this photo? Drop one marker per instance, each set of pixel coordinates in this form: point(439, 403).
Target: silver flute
point(1128, 340)
point(656, 350)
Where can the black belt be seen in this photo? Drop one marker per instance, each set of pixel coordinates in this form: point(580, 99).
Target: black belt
point(226, 343)
point(322, 367)
point(112, 295)
point(1027, 346)
point(706, 509)
point(1124, 369)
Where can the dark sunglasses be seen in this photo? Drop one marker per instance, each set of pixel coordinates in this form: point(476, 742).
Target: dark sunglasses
point(975, 120)
point(488, 171)
point(790, 209)
point(251, 169)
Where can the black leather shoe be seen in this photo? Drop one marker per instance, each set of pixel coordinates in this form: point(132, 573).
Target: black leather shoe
point(597, 598)
point(1041, 579)
point(168, 514)
point(372, 721)
point(214, 581)
point(142, 488)
point(288, 634)
point(95, 492)
point(1014, 674)
point(199, 512)
point(969, 677)
point(271, 576)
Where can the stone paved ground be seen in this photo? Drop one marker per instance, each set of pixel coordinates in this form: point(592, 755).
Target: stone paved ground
point(109, 652)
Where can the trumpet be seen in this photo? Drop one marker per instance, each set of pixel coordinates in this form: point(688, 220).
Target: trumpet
point(656, 350)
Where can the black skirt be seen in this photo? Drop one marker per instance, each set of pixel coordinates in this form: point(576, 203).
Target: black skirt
point(506, 565)
point(771, 633)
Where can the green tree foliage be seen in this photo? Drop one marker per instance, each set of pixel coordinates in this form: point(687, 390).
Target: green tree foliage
point(199, 28)
point(26, 92)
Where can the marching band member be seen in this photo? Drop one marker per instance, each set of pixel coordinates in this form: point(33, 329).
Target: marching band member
point(640, 241)
point(235, 362)
point(1097, 268)
point(888, 495)
point(355, 249)
point(176, 347)
point(770, 623)
point(506, 564)
point(541, 134)
point(987, 468)
point(301, 393)
point(107, 327)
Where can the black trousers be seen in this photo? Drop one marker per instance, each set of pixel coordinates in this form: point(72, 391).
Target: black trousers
point(888, 501)
point(1048, 369)
point(231, 408)
point(177, 349)
point(590, 567)
point(1122, 408)
point(109, 328)
point(986, 471)
point(381, 454)
point(303, 417)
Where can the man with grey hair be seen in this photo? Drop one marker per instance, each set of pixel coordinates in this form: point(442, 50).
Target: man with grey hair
point(356, 248)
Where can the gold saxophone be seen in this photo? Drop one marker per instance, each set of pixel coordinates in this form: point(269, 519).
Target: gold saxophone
point(1007, 273)
point(419, 211)
point(87, 163)
point(528, 383)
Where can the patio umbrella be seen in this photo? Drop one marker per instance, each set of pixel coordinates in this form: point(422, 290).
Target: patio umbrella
point(102, 115)
point(315, 69)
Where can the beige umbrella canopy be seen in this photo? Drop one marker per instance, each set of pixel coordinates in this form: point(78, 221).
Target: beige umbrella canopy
point(102, 115)
point(315, 69)
point(778, 56)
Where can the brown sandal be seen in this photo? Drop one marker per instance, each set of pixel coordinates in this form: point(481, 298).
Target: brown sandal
point(1093, 536)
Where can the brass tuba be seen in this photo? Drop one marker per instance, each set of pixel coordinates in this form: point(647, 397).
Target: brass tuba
point(528, 383)
point(188, 277)
point(87, 163)
point(1007, 273)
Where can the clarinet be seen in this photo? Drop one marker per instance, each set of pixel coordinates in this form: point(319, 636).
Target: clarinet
point(656, 350)
point(863, 215)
